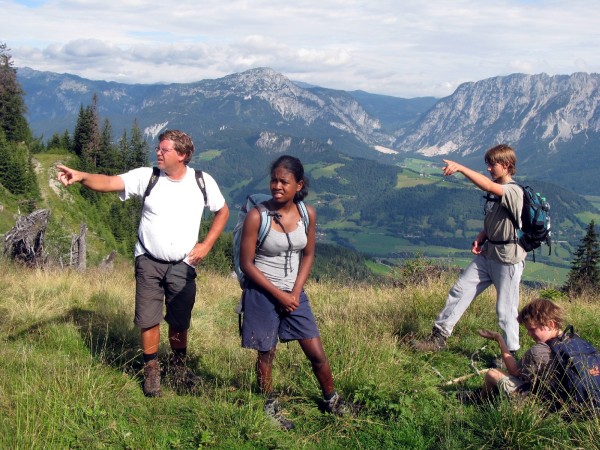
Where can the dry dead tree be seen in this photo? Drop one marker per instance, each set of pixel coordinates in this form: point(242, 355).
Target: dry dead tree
point(24, 243)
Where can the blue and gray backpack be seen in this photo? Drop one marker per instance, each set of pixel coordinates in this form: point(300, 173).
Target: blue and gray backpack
point(535, 227)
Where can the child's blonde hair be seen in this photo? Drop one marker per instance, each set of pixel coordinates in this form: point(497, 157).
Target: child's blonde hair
point(541, 312)
point(502, 154)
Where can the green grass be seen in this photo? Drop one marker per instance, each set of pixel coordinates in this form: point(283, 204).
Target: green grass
point(552, 268)
point(423, 166)
point(209, 155)
point(70, 371)
point(327, 171)
point(408, 182)
point(587, 217)
point(594, 200)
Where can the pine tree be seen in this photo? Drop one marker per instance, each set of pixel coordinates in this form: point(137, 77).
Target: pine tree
point(124, 153)
point(17, 174)
point(80, 132)
point(12, 106)
point(4, 159)
point(92, 147)
point(138, 147)
point(86, 137)
point(584, 274)
point(65, 140)
point(108, 156)
point(54, 142)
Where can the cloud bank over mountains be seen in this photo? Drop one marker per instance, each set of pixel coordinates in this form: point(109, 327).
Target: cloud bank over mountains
point(405, 49)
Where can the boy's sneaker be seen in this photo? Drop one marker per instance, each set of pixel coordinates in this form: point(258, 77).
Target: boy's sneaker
point(180, 376)
point(336, 405)
point(272, 409)
point(151, 384)
point(434, 342)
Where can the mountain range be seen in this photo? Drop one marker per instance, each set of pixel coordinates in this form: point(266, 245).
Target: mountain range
point(374, 161)
point(552, 121)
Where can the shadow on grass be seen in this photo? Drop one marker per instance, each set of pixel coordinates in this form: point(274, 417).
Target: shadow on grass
point(113, 340)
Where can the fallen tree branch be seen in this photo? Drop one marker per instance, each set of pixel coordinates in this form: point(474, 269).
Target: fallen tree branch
point(465, 377)
point(476, 371)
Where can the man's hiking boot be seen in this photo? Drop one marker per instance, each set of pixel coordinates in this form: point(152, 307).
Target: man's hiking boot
point(272, 410)
point(434, 342)
point(337, 406)
point(151, 384)
point(180, 377)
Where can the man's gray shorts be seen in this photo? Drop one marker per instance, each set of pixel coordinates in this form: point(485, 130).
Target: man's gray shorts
point(264, 321)
point(161, 283)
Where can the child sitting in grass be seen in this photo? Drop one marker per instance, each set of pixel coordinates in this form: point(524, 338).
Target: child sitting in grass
point(543, 321)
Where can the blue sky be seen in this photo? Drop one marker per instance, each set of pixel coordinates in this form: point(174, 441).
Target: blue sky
point(406, 48)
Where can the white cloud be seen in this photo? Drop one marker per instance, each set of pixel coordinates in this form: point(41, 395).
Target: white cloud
point(410, 48)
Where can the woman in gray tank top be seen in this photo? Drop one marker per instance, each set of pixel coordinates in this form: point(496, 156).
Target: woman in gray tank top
point(275, 307)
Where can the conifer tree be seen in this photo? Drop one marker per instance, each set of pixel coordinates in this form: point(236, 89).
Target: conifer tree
point(17, 174)
point(584, 274)
point(65, 140)
point(138, 147)
point(108, 157)
point(124, 153)
point(80, 132)
point(54, 142)
point(4, 159)
point(12, 106)
point(86, 137)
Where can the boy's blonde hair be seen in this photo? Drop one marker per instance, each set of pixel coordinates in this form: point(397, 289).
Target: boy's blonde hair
point(541, 312)
point(502, 154)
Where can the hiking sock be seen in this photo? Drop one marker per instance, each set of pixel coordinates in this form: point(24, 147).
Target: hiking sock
point(150, 357)
point(180, 352)
point(328, 397)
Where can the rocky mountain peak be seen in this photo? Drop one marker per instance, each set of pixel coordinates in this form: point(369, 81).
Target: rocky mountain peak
point(513, 109)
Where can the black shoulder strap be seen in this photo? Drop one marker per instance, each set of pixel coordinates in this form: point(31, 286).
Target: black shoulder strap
point(151, 183)
point(156, 174)
point(153, 180)
point(201, 185)
point(512, 217)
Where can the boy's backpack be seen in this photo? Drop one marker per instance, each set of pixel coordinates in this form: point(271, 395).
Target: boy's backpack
point(156, 174)
point(535, 221)
point(258, 201)
point(578, 370)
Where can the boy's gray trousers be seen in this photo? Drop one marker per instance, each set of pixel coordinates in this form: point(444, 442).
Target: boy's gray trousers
point(481, 273)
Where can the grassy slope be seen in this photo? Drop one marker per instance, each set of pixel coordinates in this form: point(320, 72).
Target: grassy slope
point(69, 372)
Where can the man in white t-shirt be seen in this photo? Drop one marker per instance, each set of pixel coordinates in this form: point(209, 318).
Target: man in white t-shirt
point(167, 250)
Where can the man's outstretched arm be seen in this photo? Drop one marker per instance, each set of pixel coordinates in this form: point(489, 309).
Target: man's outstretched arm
point(93, 181)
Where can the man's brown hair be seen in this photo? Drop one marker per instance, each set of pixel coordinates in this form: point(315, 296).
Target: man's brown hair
point(182, 142)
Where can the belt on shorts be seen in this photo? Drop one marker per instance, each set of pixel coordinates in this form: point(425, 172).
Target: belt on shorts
point(162, 261)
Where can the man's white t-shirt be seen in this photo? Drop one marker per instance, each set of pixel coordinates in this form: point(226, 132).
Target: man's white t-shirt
point(172, 213)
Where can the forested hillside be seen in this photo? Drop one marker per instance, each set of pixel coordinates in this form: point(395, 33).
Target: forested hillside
point(385, 211)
